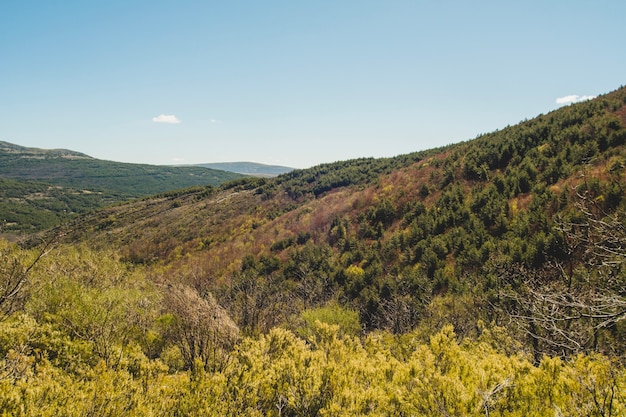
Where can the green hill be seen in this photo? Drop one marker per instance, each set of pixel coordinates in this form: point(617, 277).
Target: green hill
point(40, 187)
point(401, 240)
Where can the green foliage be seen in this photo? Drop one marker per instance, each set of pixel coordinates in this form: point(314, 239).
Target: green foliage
point(429, 237)
point(332, 314)
point(42, 188)
point(323, 178)
point(130, 180)
point(52, 359)
point(368, 263)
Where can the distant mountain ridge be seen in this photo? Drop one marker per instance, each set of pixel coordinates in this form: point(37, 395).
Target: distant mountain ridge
point(39, 186)
point(249, 168)
point(24, 152)
point(77, 170)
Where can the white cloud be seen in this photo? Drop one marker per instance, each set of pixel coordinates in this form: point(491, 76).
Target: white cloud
point(573, 98)
point(166, 118)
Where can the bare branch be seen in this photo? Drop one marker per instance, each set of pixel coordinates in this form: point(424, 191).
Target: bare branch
point(15, 273)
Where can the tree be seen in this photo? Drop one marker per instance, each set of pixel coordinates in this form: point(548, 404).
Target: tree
point(200, 327)
point(576, 303)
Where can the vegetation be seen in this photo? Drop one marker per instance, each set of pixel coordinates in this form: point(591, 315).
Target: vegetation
point(93, 335)
point(41, 188)
point(484, 278)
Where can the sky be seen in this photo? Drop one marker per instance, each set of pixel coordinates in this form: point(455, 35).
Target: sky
point(293, 83)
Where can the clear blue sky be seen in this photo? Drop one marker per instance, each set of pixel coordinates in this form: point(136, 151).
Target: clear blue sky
point(294, 83)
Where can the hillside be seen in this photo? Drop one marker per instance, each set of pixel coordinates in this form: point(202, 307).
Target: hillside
point(41, 187)
point(388, 237)
point(483, 278)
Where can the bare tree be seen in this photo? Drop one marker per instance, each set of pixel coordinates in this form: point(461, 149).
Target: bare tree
point(561, 320)
point(598, 239)
point(201, 327)
point(575, 304)
point(258, 301)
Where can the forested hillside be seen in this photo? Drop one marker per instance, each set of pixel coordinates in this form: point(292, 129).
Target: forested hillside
point(43, 187)
point(484, 278)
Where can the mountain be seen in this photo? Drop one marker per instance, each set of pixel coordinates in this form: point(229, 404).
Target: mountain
point(426, 237)
point(249, 168)
point(75, 170)
point(25, 152)
point(41, 186)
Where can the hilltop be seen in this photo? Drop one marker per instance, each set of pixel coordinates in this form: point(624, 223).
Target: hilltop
point(23, 152)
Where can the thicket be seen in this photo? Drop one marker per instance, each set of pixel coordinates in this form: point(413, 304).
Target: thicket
point(30, 206)
point(91, 335)
point(522, 228)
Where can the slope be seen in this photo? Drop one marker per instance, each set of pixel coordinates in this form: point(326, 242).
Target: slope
point(42, 186)
point(503, 228)
point(79, 171)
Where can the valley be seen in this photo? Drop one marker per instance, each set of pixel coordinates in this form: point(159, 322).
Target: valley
point(486, 277)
